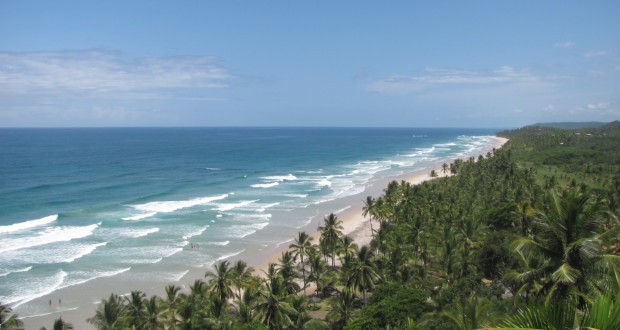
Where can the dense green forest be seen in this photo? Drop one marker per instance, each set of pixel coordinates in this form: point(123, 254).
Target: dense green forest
point(523, 237)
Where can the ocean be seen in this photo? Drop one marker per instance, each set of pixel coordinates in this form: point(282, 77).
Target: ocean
point(123, 208)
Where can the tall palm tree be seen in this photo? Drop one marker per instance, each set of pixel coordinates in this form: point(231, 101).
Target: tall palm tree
point(363, 275)
point(170, 304)
point(242, 276)
point(330, 234)
point(276, 312)
point(152, 313)
point(566, 248)
point(317, 268)
point(525, 212)
point(9, 320)
point(469, 314)
point(369, 209)
point(109, 314)
point(342, 309)
point(444, 169)
point(59, 324)
point(288, 273)
point(221, 281)
point(136, 310)
point(301, 246)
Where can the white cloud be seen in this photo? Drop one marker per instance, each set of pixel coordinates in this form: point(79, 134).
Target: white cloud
point(433, 77)
point(608, 109)
point(563, 44)
point(595, 53)
point(106, 73)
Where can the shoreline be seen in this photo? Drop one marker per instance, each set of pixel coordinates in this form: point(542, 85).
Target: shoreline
point(354, 223)
point(348, 209)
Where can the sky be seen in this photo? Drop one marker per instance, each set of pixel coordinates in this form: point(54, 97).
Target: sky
point(491, 64)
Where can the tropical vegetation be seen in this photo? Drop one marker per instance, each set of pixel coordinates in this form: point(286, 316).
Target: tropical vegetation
point(526, 236)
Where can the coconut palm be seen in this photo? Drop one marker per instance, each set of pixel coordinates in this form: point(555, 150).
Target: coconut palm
point(369, 209)
point(171, 303)
point(566, 248)
point(9, 320)
point(317, 268)
point(362, 274)
point(274, 310)
point(152, 314)
point(469, 314)
point(301, 246)
point(221, 281)
point(342, 309)
point(242, 275)
point(330, 234)
point(135, 312)
point(59, 324)
point(347, 248)
point(288, 273)
point(109, 314)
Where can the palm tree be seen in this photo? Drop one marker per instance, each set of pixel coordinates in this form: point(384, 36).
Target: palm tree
point(369, 209)
point(525, 212)
point(330, 234)
point(8, 320)
point(288, 273)
point(301, 246)
point(221, 281)
point(469, 314)
point(363, 275)
point(317, 267)
point(59, 324)
point(135, 310)
point(444, 169)
point(342, 309)
point(109, 314)
point(347, 248)
point(242, 275)
point(152, 313)
point(566, 248)
point(171, 303)
point(276, 312)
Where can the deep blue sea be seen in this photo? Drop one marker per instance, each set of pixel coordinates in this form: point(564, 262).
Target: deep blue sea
point(85, 205)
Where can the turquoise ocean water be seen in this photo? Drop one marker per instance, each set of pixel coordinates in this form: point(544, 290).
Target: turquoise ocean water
point(81, 206)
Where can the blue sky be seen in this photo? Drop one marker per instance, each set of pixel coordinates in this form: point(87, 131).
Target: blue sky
point(313, 63)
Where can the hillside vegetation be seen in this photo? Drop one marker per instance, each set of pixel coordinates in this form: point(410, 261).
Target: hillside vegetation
point(522, 237)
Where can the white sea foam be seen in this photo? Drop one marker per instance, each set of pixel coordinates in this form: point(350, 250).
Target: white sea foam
point(28, 224)
point(296, 195)
point(241, 231)
point(153, 208)
point(175, 277)
point(88, 276)
point(196, 232)
point(139, 232)
point(35, 289)
point(226, 256)
point(219, 243)
point(6, 272)
point(230, 206)
point(280, 178)
point(284, 242)
point(307, 222)
point(267, 206)
point(84, 251)
point(265, 185)
point(324, 183)
point(343, 209)
point(51, 235)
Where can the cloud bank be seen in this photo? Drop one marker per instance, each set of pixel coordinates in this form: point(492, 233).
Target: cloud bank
point(96, 72)
point(433, 77)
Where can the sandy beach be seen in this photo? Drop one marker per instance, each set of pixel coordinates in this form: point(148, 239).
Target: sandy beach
point(348, 210)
